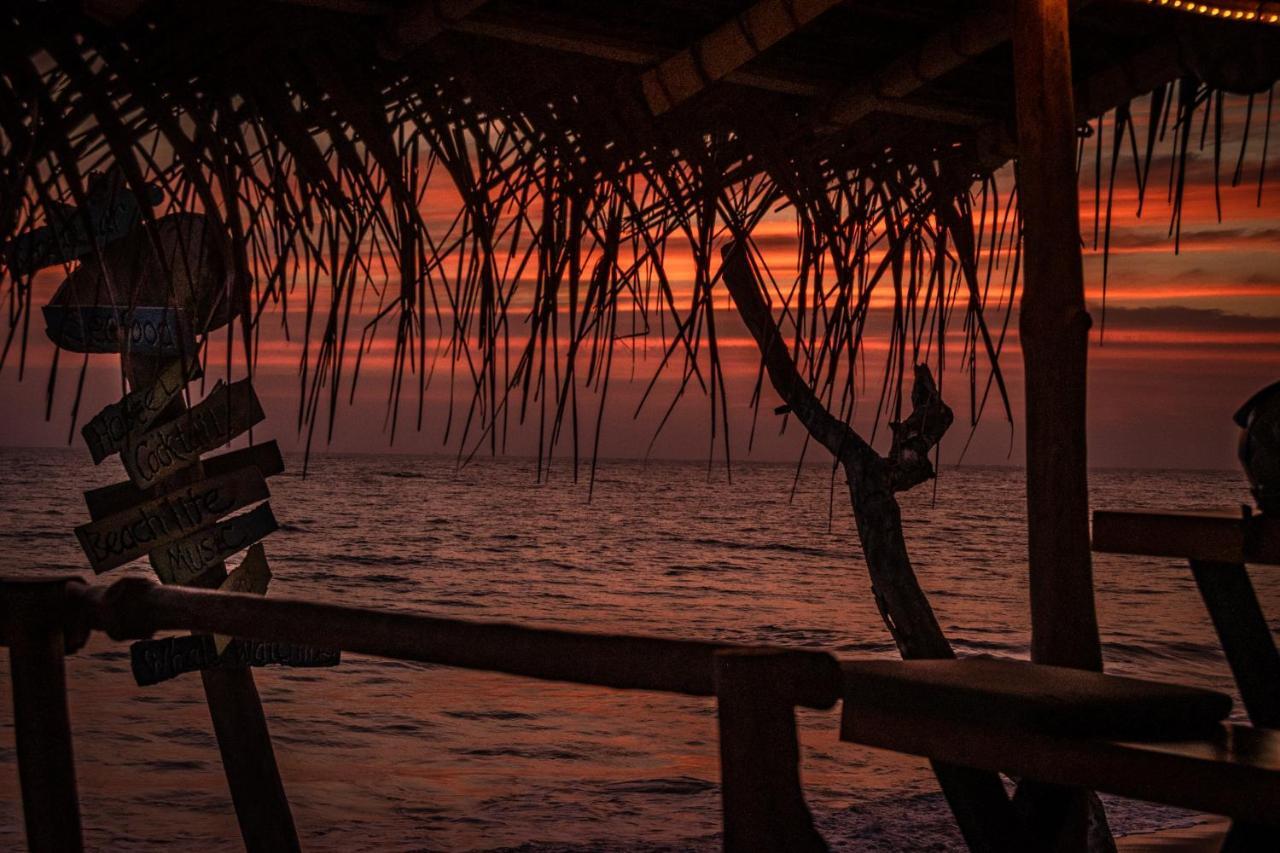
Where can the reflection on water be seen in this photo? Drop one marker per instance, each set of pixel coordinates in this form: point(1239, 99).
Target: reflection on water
point(384, 754)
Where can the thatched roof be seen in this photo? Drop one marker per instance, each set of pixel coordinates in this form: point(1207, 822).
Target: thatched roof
point(583, 140)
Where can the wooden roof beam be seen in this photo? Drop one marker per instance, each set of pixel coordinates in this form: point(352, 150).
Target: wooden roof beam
point(972, 36)
point(628, 53)
point(956, 44)
point(1097, 94)
point(726, 49)
point(413, 26)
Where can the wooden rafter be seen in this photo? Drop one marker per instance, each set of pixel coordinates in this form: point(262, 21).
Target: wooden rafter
point(413, 26)
point(1100, 92)
point(629, 53)
point(957, 44)
point(972, 36)
point(726, 49)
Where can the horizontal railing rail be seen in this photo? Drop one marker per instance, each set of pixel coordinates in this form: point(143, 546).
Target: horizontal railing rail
point(757, 688)
point(136, 608)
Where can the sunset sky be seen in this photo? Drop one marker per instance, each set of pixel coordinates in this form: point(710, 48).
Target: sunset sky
point(1188, 338)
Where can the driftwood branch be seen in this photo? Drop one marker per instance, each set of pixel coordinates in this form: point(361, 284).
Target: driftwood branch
point(915, 437)
point(831, 432)
point(977, 798)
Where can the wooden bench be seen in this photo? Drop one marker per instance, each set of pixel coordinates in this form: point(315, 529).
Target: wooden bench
point(1145, 740)
point(1141, 739)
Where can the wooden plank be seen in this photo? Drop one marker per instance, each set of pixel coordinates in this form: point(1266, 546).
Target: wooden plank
point(252, 576)
point(1208, 537)
point(106, 500)
point(1035, 697)
point(764, 806)
point(42, 724)
point(228, 411)
point(117, 539)
point(1234, 772)
point(150, 329)
point(154, 661)
point(187, 559)
point(1245, 635)
point(106, 432)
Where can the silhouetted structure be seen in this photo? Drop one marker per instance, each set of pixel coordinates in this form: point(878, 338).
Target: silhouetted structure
point(581, 143)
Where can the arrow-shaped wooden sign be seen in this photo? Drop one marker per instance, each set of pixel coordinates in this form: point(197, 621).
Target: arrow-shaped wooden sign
point(186, 559)
point(118, 539)
point(107, 431)
point(144, 329)
point(251, 576)
point(117, 497)
point(154, 661)
point(111, 211)
point(228, 411)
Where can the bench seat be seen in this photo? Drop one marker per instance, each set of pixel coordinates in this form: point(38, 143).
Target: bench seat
point(1140, 739)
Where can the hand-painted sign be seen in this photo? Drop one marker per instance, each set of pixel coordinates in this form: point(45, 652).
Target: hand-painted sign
point(186, 559)
point(117, 497)
point(228, 411)
point(107, 431)
point(110, 212)
point(251, 576)
point(118, 539)
point(154, 661)
point(179, 263)
point(147, 329)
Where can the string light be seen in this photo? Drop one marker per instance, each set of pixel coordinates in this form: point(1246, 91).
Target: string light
point(1262, 13)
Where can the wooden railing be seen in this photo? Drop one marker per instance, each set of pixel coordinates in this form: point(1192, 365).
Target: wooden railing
point(1159, 742)
point(756, 688)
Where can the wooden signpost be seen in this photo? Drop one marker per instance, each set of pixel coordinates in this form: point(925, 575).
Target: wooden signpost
point(147, 297)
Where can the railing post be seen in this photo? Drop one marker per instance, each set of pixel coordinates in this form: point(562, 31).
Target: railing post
point(764, 807)
point(35, 632)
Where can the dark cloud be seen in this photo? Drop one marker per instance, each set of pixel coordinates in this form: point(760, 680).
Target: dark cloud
point(1140, 237)
point(1176, 317)
point(1262, 278)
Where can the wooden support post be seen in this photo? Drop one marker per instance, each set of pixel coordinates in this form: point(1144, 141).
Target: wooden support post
point(248, 759)
point(764, 807)
point(1054, 328)
point(1245, 636)
point(42, 724)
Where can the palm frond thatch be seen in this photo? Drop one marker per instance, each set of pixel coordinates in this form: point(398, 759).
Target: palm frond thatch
point(508, 216)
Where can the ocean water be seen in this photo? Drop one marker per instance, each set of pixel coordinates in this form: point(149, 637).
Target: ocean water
point(382, 754)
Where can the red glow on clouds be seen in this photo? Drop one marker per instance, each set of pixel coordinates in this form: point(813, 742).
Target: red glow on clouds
point(1187, 334)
